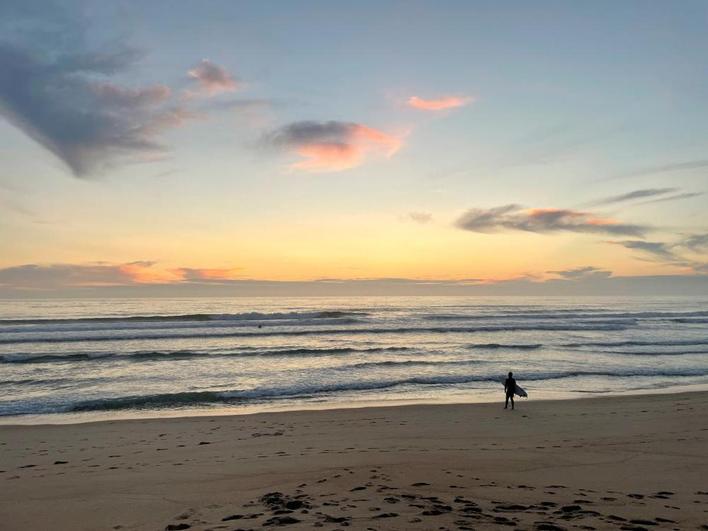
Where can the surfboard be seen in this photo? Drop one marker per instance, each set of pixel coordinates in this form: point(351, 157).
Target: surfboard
point(519, 391)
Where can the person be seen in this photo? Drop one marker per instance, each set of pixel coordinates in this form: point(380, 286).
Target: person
point(509, 388)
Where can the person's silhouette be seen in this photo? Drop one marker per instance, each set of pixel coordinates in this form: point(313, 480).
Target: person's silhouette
point(509, 388)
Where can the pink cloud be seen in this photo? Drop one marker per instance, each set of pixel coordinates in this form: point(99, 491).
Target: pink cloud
point(328, 157)
point(334, 146)
point(439, 104)
point(212, 79)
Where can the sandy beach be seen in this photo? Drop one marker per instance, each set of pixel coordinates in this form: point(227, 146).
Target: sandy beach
point(636, 462)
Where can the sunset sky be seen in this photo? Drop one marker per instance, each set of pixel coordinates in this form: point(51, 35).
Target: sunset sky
point(453, 143)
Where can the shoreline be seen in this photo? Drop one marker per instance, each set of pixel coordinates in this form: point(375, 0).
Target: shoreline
point(79, 418)
point(601, 461)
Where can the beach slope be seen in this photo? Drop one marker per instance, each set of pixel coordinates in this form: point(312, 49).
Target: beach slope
point(618, 462)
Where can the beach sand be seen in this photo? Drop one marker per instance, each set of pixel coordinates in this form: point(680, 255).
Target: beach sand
point(603, 463)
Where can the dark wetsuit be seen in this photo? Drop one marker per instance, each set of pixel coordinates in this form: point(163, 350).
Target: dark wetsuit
point(510, 386)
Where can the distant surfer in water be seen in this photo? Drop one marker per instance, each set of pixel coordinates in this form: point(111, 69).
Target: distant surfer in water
point(509, 388)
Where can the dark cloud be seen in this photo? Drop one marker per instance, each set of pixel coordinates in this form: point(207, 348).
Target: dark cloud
point(631, 196)
point(582, 273)
point(543, 220)
point(212, 79)
point(308, 132)
point(62, 94)
point(123, 97)
point(67, 104)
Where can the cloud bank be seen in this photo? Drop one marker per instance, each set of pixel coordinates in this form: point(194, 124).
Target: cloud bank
point(145, 279)
point(332, 145)
point(39, 277)
point(543, 220)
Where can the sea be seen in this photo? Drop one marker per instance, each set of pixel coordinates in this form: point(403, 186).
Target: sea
point(73, 360)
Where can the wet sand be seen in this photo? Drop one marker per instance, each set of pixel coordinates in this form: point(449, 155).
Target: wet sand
point(630, 463)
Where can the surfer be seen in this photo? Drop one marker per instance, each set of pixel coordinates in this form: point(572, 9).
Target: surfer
point(509, 388)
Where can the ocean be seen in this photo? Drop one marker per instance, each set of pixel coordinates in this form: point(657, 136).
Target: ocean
point(84, 359)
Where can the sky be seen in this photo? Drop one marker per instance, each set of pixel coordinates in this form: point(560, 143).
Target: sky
point(225, 147)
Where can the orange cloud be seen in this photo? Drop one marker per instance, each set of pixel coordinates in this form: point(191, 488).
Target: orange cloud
point(334, 146)
point(144, 273)
point(440, 104)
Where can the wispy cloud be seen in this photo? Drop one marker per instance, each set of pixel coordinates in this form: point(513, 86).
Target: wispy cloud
point(419, 217)
point(332, 146)
point(659, 250)
point(554, 143)
point(211, 79)
point(675, 197)
point(439, 104)
point(582, 273)
point(671, 253)
point(633, 195)
point(696, 242)
point(543, 220)
point(666, 168)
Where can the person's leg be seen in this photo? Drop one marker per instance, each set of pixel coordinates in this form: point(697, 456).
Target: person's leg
point(506, 403)
point(512, 401)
